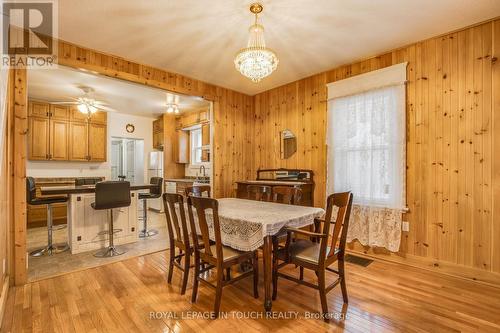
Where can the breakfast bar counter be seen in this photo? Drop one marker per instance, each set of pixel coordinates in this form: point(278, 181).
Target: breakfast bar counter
point(87, 226)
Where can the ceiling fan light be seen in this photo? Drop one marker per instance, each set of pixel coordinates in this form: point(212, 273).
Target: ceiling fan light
point(82, 108)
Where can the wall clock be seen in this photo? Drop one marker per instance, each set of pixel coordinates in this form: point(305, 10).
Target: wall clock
point(130, 128)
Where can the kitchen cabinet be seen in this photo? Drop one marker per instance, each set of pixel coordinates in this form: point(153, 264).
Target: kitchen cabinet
point(59, 140)
point(97, 142)
point(79, 143)
point(38, 138)
point(158, 134)
point(205, 134)
point(62, 133)
point(87, 226)
point(180, 147)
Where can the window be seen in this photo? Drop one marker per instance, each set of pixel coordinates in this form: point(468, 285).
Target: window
point(195, 141)
point(366, 138)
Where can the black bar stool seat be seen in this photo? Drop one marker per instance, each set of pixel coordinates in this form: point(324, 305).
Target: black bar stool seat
point(110, 195)
point(32, 199)
point(154, 193)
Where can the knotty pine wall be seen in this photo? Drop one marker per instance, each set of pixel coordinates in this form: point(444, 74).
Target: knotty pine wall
point(453, 135)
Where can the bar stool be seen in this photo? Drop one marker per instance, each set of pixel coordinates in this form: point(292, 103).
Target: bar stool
point(32, 199)
point(109, 195)
point(154, 193)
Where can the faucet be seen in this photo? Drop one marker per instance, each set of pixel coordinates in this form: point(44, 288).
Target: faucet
point(202, 167)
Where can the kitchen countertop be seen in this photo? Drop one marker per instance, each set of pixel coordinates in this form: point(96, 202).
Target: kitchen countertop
point(57, 190)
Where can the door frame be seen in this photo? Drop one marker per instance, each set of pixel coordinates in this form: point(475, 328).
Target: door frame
point(98, 63)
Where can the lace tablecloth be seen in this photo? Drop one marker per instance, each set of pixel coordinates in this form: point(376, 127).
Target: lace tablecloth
point(245, 223)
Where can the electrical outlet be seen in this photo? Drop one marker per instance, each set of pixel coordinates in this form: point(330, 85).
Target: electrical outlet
point(405, 226)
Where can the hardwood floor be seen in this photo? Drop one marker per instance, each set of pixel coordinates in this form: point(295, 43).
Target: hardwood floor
point(122, 296)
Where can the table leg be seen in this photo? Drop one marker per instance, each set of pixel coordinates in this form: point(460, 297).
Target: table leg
point(267, 258)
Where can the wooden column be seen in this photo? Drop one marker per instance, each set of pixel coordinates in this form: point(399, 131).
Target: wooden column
point(20, 130)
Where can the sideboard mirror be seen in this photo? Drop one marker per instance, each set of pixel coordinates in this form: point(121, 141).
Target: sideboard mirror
point(288, 144)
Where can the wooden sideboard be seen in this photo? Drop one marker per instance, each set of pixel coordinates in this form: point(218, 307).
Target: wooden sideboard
point(62, 133)
point(299, 178)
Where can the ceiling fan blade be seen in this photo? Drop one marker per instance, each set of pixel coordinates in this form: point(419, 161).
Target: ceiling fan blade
point(106, 108)
point(65, 103)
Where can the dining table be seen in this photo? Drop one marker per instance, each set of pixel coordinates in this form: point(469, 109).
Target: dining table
point(247, 225)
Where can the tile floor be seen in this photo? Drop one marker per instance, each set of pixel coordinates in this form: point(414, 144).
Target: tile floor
point(49, 266)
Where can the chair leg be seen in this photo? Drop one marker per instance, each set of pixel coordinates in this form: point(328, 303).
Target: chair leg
point(301, 277)
point(218, 292)
point(145, 232)
point(228, 273)
point(322, 295)
point(185, 274)
point(255, 263)
point(109, 251)
point(342, 280)
point(196, 276)
point(51, 248)
point(171, 263)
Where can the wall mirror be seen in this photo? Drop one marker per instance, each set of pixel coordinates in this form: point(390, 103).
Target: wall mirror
point(288, 144)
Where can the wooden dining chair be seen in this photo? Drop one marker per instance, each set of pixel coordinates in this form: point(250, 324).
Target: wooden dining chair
point(217, 255)
point(197, 190)
point(259, 192)
point(179, 237)
point(319, 256)
point(286, 195)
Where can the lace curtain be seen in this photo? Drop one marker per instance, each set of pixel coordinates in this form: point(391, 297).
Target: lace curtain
point(366, 155)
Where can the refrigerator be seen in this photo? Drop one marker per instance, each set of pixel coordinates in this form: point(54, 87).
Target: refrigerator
point(155, 169)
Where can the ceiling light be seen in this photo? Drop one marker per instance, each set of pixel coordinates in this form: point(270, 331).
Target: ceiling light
point(256, 61)
point(87, 106)
point(172, 108)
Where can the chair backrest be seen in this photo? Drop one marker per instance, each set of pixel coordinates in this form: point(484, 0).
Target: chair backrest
point(202, 204)
point(341, 224)
point(287, 195)
point(87, 181)
point(30, 189)
point(158, 189)
point(176, 218)
point(259, 192)
point(197, 190)
point(112, 194)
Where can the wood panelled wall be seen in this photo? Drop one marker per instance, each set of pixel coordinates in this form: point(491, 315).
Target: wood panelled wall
point(231, 109)
point(453, 133)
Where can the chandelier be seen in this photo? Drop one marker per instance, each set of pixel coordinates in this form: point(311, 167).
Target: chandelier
point(256, 61)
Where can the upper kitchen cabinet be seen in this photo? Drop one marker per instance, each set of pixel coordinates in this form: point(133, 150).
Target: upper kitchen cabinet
point(97, 142)
point(62, 133)
point(158, 134)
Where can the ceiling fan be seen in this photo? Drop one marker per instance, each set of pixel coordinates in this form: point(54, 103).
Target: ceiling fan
point(86, 103)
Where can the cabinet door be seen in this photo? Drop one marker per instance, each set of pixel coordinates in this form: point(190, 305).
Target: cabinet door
point(180, 147)
point(100, 117)
point(59, 140)
point(158, 125)
point(76, 115)
point(97, 142)
point(59, 112)
point(38, 138)
point(38, 109)
point(205, 134)
point(158, 140)
point(78, 141)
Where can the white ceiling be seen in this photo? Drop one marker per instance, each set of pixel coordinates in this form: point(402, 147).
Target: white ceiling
point(62, 85)
point(200, 38)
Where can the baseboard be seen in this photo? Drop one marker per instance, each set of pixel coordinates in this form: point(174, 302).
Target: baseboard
point(3, 298)
point(442, 267)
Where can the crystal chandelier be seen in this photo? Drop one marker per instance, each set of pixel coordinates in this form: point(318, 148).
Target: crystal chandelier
point(256, 61)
